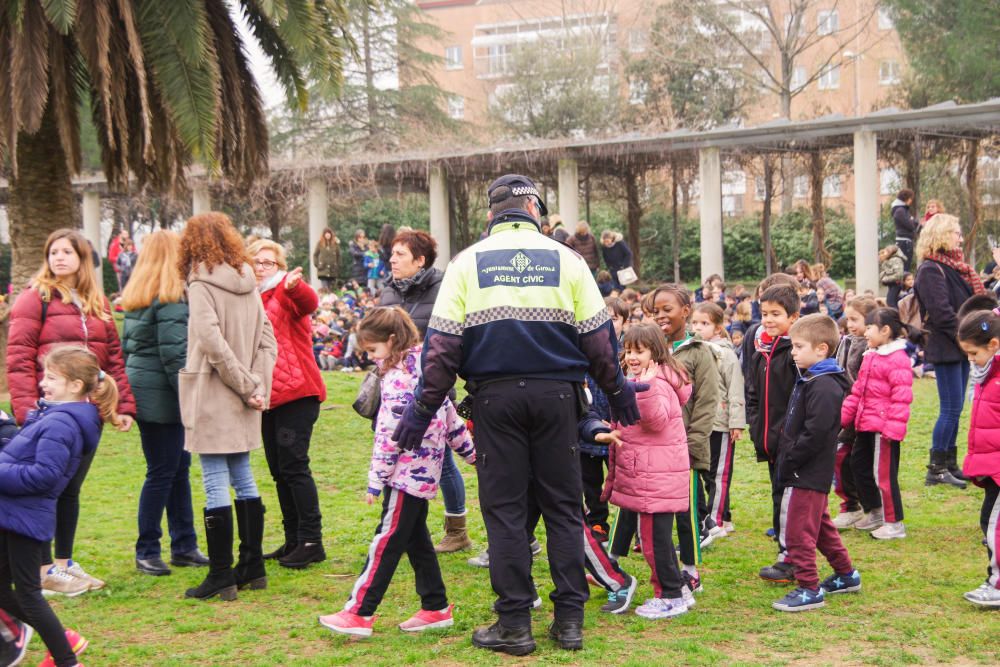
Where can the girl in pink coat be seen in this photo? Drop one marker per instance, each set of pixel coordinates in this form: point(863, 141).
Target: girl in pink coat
point(979, 338)
point(648, 466)
point(879, 408)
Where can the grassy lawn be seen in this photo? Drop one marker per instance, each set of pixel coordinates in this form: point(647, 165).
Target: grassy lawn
point(910, 610)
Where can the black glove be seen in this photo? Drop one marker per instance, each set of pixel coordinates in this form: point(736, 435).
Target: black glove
point(413, 423)
point(464, 409)
point(622, 402)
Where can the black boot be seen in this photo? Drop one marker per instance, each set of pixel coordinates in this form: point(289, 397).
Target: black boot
point(951, 461)
point(569, 634)
point(219, 535)
point(937, 471)
point(513, 641)
point(250, 572)
point(280, 552)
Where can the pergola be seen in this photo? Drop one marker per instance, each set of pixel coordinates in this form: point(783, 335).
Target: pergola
point(430, 170)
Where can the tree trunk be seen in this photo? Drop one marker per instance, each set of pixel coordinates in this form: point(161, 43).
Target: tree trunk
point(41, 198)
point(816, 198)
point(274, 217)
point(458, 207)
point(765, 221)
point(787, 184)
point(4, 321)
point(676, 241)
point(374, 140)
point(975, 202)
point(633, 215)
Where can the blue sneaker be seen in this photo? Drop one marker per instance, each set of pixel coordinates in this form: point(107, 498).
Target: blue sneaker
point(801, 599)
point(620, 600)
point(769, 533)
point(842, 583)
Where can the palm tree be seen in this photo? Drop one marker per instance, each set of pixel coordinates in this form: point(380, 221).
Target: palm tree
point(168, 83)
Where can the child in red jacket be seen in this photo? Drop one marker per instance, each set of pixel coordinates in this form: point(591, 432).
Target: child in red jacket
point(979, 337)
point(878, 409)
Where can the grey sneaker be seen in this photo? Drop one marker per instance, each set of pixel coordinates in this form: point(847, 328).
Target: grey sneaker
point(985, 595)
point(482, 560)
point(620, 600)
point(847, 519)
point(871, 521)
point(75, 570)
point(536, 547)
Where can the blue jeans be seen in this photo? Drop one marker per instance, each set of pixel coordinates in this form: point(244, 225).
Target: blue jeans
point(452, 486)
point(951, 382)
point(167, 487)
point(219, 471)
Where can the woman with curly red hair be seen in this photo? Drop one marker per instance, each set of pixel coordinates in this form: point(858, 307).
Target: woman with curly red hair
point(224, 388)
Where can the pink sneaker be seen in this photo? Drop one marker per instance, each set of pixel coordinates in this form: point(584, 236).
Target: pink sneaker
point(593, 582)
point(77, 642)
point(348, 623)
point(425, 620)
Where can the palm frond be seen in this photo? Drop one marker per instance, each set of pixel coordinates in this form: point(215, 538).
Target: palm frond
point(283, 61)
point(63, 98)
point(60, 13)
point(127, 19)
point(185, 71)
point(93, 38)
point(29, 62)
point(8, 128)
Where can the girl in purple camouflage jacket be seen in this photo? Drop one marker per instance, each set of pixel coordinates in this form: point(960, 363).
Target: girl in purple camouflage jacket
point(409, 479)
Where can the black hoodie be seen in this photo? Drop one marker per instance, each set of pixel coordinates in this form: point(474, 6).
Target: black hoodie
point(808, 449)
point(770, 379)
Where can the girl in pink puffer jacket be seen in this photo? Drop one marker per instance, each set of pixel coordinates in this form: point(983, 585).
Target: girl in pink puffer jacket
point(879, 408)
point(648, 464)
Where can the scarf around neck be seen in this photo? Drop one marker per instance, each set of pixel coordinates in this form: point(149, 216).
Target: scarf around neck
point(272, 282)
point(978, 373)
point(403, 285)
point(763, 341)
point(956, 260)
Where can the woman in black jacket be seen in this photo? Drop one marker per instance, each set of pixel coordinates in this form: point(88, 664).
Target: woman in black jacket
point(617, 255)
point(357, 247)
point(943, 282)
point(414, 288)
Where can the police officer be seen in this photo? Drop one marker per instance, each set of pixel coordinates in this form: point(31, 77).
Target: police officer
point(520, 317)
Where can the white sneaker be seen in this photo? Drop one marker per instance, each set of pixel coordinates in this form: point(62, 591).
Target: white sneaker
point(688, 597)
point(58, 581)
point(729, 527)
point(710, 536)
point(890, 531)
point(847, 519)
point(662, 608)
point(871, 521)
point(482, 560)
point(985, 595)
point(75, 570)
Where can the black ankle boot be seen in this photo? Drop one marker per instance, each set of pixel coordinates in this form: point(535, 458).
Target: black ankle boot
point(569, 634)
point(513, 641)
point(281, 552)
point(951, 461)
point(250, 572)
point(304, 555)
point(219, 536)
point(937, 471)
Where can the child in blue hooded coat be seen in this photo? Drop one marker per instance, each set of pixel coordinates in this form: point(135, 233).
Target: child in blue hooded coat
point(35, 467)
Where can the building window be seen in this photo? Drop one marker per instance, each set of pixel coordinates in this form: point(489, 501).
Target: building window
point(829, 77)
point(453, 57)
point(734, 183)
point(637, 91)
point(637, 40)
point(758, 189)
point(885, 21)
point(800, 187)
point(498, 59)
point(889, 181)
point(828, 22)
point(456, 107)
point(888, 72)
point(798, 78)
point(832, 187)
point(732, 205)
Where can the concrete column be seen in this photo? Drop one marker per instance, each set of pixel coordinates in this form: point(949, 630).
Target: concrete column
point(440, 224)
point(92, 227)
point(201, 201)
point(569, 194)
point(710, 205)
point(866, 210)
point(317, 221)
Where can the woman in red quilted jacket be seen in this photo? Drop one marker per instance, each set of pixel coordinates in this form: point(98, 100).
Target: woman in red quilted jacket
point(979, 338)
point(64, 304)
point(879, 408)
point(296, 394)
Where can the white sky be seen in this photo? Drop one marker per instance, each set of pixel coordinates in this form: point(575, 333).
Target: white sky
point(270, 90)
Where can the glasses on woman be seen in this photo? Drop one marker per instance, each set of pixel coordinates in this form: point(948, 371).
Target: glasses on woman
point(264, 264)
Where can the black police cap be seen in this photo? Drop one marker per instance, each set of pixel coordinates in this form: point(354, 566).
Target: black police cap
point(515, 185)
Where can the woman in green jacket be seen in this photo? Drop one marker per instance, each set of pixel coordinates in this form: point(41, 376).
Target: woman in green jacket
point(155, 344)
point(326, 258)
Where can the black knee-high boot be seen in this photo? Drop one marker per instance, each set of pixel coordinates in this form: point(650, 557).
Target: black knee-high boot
point(219, 536)
point(250, 572)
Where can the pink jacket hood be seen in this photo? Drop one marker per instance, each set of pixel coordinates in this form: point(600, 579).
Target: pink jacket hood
point(880, 398)
point(650, 471)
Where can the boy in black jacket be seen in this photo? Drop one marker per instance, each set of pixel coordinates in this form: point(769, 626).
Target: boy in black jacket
point(770, 379)
point(805, 467)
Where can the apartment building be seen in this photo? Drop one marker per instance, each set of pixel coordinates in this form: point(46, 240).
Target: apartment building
point(853, 63)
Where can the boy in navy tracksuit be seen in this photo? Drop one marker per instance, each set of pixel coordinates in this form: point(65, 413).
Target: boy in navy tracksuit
point(805, 464)
point(593, 461)
point(771, 376)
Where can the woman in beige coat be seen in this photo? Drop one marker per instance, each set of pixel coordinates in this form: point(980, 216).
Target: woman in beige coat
point(224, 388)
